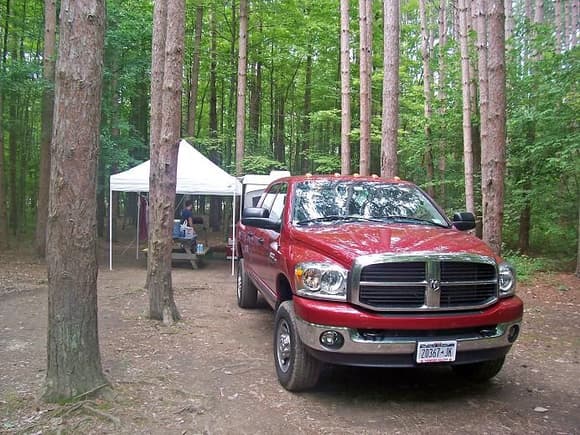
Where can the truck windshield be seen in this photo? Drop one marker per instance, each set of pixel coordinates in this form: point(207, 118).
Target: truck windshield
point(323, 201)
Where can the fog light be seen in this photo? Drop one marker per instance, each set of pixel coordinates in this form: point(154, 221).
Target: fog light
point(331, 339)
point(513, 333)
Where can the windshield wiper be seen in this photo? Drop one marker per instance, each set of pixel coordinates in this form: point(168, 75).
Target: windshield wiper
point(414, 220)
point(333, 218)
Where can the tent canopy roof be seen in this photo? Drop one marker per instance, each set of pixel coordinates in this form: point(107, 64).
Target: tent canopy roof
point(196, 175)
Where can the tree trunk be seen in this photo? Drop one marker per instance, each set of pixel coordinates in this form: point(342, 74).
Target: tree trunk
point(345, 118)
point(3, 215)
point(279, 135)
point(493, 150)
point(365, 86)
point(574, 23)
point(215, 203)
point(241, 103)
point(195, 63)
point(529, 10)
point(441, 95)
point(46, 123)
point(255, 104)
point(524, 231)
point(168, 37)
point(74, 362)
point(465, 79)
point(306, 162)
point(390, 122)
point(509, 20)
point(558, 24)
point(539, 12)
point(426, 55)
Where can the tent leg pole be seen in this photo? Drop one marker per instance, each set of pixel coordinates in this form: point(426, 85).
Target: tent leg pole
point(138, 217)
point(110, 228)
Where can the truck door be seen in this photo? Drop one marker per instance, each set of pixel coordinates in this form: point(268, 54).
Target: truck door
point(272, 256)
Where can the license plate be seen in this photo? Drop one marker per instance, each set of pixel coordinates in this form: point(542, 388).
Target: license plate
point(436, 351)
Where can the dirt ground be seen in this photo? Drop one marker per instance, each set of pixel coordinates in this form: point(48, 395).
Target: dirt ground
point(213, 372)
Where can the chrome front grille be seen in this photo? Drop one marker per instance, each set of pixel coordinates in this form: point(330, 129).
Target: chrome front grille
point(430, 282)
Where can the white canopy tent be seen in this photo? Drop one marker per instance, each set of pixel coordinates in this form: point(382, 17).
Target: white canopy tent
point(196, 175)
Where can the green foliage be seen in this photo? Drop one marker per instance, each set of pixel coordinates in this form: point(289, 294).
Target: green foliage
point(260, 165)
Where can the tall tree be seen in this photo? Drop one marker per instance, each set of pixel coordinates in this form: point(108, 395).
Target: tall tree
point(48, 60)
point(3, 213)
point(168, 35)
point(466, 98)
point(365, 26)
point(426, 56)
point(390, 122)
point(441, 96)
point(305, 164)
point(493, 152)
point(509, 19)
point(241, 104)
point(345, 118)
point(74, 362)
point(195, 64)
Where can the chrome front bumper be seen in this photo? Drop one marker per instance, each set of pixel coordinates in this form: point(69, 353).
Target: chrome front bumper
point(400, 351)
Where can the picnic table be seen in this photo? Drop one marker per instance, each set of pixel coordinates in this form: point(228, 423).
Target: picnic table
point(186, 249)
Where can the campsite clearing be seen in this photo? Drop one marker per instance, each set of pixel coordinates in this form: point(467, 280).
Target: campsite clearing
point(214, 372)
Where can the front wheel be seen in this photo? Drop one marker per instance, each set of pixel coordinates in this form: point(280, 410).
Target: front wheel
point(297, 370)
point(246, 291)
point(481, 371)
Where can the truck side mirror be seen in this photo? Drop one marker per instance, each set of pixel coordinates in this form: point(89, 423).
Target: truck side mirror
point(464, 221)
point(255, 212)
point(260, 218)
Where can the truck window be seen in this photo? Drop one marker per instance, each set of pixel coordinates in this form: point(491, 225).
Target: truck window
point(278, 205)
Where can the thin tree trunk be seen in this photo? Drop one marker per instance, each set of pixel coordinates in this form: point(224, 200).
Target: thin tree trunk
point(441, 94)
point(73, 357)
point(426, 55)
point(465, 79)
point(241, 103)
point(559, 26)
point(195, 64)
point(46, 123)
point(574, 23)
point(279, 136)
point(215, 202)
point(539, 12)
point(345, 118)
point(3, 215)
point(168, 36)
point(529, 10)
point(567, 24)
point(255, 106)
point(365, 86)
point(509, 20)
point(306, 162)
point(390, 122)
point(493, 150)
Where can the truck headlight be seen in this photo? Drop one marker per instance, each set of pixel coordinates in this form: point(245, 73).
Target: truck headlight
point(321, 281)
point(507, 280)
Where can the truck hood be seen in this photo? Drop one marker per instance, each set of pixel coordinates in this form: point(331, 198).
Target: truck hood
point(345, 242)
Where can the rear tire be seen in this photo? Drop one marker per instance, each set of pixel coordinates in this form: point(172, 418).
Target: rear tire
point(246, 291)
point(297, 370)
point(481, 371)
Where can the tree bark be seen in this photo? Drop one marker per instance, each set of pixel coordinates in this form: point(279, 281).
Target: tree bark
point(241, 103)
point(48, 59)
point(345, 118)
point(441, 96)
point(529, 10)
point(365, 86)
point(426, 55)
point(73, 357)
point(390, 122)
point(255, 106)
point(168, 36)
point(493, 150)
point(574, 23)
point(466, 97)
point(279, 135)
point(195, 64)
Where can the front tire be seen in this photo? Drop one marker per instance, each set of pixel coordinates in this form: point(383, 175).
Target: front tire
point(481, 371)
point(246, 291)
point(297, 370)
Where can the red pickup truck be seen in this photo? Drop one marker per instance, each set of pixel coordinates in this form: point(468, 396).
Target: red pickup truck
point(367, 271)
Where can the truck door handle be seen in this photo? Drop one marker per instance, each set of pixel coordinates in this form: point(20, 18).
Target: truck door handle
point(260, 240)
